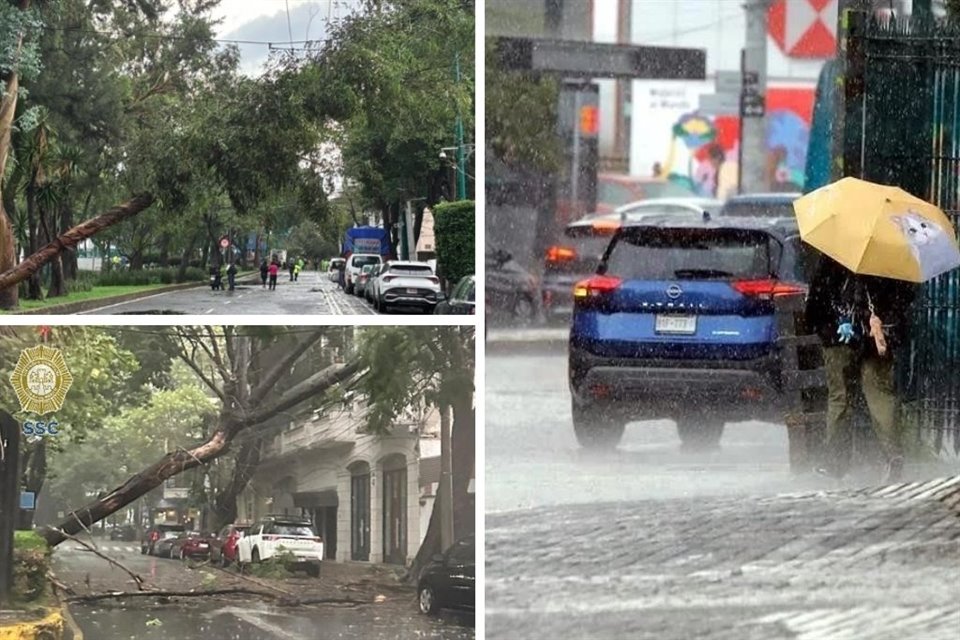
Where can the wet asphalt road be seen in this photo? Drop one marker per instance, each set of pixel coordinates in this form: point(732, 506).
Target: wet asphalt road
point(311, 294)
point(227, 619)
point(532, 457)
point(651, 542)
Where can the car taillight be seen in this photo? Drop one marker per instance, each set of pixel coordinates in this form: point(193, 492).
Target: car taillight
point(561, 254)
point(595, 286)
point(766, 289)
point(388, 278)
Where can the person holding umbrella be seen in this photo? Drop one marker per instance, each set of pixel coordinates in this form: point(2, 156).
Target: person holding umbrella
point(878, 243)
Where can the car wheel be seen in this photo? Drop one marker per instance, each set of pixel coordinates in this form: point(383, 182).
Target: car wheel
point(427, 600)
point(700, 433)
point(183, 555)
point(143, 550)
point(255, 556)
point(596, 427)
point(313, 570)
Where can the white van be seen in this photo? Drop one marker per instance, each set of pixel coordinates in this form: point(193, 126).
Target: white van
point(355, 264)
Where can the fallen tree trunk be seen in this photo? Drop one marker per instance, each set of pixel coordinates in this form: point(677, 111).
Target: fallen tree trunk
point(72, 237)
point(179, 461)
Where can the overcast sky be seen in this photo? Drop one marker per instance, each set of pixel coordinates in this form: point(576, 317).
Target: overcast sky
point(266, 20)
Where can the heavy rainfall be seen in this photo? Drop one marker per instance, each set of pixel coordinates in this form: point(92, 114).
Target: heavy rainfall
point(722, 320)
point(237, 482)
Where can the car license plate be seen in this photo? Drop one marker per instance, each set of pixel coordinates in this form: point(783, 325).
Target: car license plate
point(411, 290)
point(676, 324)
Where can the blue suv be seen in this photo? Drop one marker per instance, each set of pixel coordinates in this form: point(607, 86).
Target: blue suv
point(679, 323)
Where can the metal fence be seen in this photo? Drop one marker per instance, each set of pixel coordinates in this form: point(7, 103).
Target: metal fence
point(900, 105)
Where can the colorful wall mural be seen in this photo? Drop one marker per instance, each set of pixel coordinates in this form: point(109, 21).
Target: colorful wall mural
point(703, 151)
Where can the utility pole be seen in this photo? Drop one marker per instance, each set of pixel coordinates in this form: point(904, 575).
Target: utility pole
point(9, 503)
point(461, 155)
point(753, 120)
point(445, 491)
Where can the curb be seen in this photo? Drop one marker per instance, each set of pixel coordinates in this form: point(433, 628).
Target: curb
point(527, 341)
point(50, 627)
point(87, 305)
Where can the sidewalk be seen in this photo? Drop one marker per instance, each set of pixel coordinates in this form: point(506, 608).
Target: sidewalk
point(507, 340)
point(870, 564)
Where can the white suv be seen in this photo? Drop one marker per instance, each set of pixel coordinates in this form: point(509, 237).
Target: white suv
point(406, 283)
point(355, 264)
point(278, 534)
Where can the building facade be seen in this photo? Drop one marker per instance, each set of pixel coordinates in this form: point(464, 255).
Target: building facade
point(362, 491)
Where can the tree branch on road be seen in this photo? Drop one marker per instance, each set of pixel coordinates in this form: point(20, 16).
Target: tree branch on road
point(278, 599)
point(136, 578)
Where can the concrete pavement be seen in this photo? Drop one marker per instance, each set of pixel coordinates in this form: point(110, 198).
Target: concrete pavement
point(815, 566)
point(311, 294)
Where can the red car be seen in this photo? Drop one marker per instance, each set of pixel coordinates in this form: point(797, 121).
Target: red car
point(190, 545)
point(223, 547)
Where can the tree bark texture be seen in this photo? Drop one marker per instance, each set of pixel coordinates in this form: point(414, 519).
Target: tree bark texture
point(9, 297)
point(72, 237)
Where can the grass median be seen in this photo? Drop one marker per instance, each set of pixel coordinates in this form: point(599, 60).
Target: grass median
point(96, 293)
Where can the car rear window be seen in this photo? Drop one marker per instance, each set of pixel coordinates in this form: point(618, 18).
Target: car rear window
point(754, 209)
point(693, 254)
point(360, 261)
point(284, 529)
point(412, 269)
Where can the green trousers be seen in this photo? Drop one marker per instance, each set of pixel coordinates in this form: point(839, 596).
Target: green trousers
point(848, 370)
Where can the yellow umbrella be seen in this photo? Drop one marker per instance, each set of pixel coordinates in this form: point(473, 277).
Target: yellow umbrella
point(878, 230)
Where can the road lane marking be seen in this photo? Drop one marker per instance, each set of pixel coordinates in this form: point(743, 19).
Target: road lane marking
point(255, 621)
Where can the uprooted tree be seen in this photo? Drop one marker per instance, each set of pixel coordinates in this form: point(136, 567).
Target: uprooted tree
point(257, 374)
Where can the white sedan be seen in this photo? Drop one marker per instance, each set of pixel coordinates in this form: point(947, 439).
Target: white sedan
point(403, 283)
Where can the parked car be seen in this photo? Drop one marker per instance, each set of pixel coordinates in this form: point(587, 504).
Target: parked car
point(223, 547)
point(124, 532)
point(760, 205)
point(676, 309)
point(354, 265)
point(333, 269)
point(616, 189)
point(165, 543)
point(511, 291)
point(404, 283)
point(704, 207)
point(370, 291)
point(364, 278)
point(191, 544)
point(462, 299)
point(449, 580)
point(157, 534)
point(274, 534)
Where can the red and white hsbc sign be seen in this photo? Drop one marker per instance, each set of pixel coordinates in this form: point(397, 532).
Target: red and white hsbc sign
point(804, 28)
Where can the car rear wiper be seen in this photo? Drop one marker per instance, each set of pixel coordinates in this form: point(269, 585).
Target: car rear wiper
point(701, 273)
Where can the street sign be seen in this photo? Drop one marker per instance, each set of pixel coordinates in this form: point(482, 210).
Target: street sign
point(28, 500)
point(224, 242)
point(719, 104)
point(753, 105)
point(728, 82)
